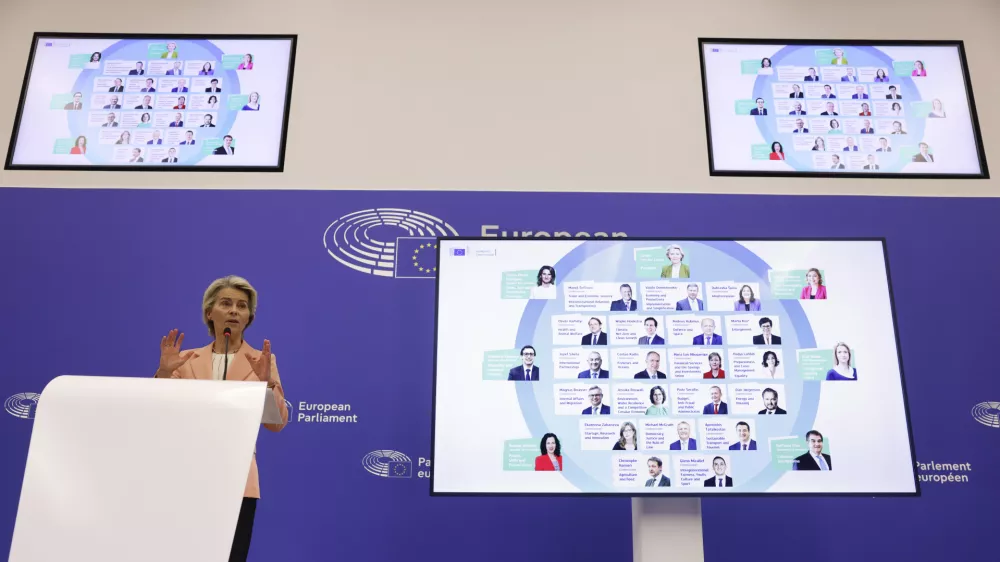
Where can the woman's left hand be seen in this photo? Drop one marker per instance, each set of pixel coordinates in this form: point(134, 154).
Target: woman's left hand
point(262, 365)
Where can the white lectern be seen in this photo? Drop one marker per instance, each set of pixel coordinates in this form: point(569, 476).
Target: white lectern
point(667, 529)
point(126, 469)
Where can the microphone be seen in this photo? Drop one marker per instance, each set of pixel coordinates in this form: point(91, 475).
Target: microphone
point(225, 365)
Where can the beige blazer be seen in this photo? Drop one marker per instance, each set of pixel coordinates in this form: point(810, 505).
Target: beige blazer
point(239, 370)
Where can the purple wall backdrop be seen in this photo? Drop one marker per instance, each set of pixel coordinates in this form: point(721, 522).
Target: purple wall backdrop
point(92, 278)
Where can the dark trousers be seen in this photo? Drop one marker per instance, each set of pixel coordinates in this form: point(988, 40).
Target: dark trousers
point(244, 528)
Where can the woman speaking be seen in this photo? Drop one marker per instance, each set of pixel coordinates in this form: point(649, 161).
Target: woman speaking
point(229, 304)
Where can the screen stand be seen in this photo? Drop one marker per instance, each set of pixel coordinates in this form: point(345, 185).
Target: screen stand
point(668, 527)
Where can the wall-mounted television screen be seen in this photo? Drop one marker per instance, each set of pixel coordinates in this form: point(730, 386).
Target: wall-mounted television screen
point(840, 109)
point(154, 102)
point(668, 367)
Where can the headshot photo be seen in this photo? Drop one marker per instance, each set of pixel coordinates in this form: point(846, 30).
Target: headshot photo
point(144, 122)
point(866, 111)
point(692, 302)
point(178, 120)
point(149, 86)
point(551, 457)
point(937, 110)
point(181, 102)
point(715, 370)
point(837, 164)
point(796, 91)
point(139, 69)
point(766, 336)
point(545, 283)
point(819, 144)
point(834, 127)
point(859, 93)
point(656, 477)
point(80, 146)
point(849, 145)
point(814, 289)
point(830, 109)
point(893, 94)
point(770, 363)
point(867, 128)
point(880, 75)
point(136, 155)
point(743, 443)
point(596, 336)
point(628, 438)
point(650, 324)
point(247, 63)
point(883, 145)
point(527, 370)
point(147, 103)
point(596, 408)
point(719, 480)
point(684, 441)
point(171, 156)
point(897, 128)
point(707, 335)
point(652, 370)
point(626, 302)
point(112, 121)
point(253, 102)
point(843, 369)
point(76, 104)
point(872, 163)
point(765, 67)
point(811, 76)
point(760, 109)
point(828, 92)
point(156, 138)
point(188, 138)
point(716, 406)
point(918, 68)
point(815, 459)
point(212, 103)
point(771, 408)
point(748, 300)
point(207, 122)
point(95, 61)
point(118, 86)
point(923, 155)
point(113, 103)
point(595, 371)
point(227, 142)
point(849, 77)
point(777, 152)
point(798, 109)
point(124, 138)
point(213, 87)
point(176, 70)
point(171, 52)
point(838, 57)
point(675, 269)
point(657, 396)
point(206, 69)
point(181, 86)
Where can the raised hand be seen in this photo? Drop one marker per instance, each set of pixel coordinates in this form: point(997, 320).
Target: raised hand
point(171, 357)
point(262, 365)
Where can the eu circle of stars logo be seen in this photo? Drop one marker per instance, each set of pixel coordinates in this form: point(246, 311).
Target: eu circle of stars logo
point(425, 258)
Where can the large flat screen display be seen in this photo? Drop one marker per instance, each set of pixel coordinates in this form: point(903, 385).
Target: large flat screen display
point(840, 108)
point(154, 102)
point(668, 367)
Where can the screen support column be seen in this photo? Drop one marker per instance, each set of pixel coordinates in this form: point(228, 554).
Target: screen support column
point(667, 527)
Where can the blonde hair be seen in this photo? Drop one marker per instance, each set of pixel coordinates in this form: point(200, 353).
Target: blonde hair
point(212, 294)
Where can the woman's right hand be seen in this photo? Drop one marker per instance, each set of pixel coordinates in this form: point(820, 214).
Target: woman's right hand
point(171, 357)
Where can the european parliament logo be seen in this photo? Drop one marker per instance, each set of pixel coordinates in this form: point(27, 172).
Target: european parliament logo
point(387, 242)
point(22, 405)
point(987, 413)
point(388, 464)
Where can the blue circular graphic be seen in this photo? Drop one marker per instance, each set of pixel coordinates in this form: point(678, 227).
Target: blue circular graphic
point(138, 50)
point(591, 471)
point(805, 55)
